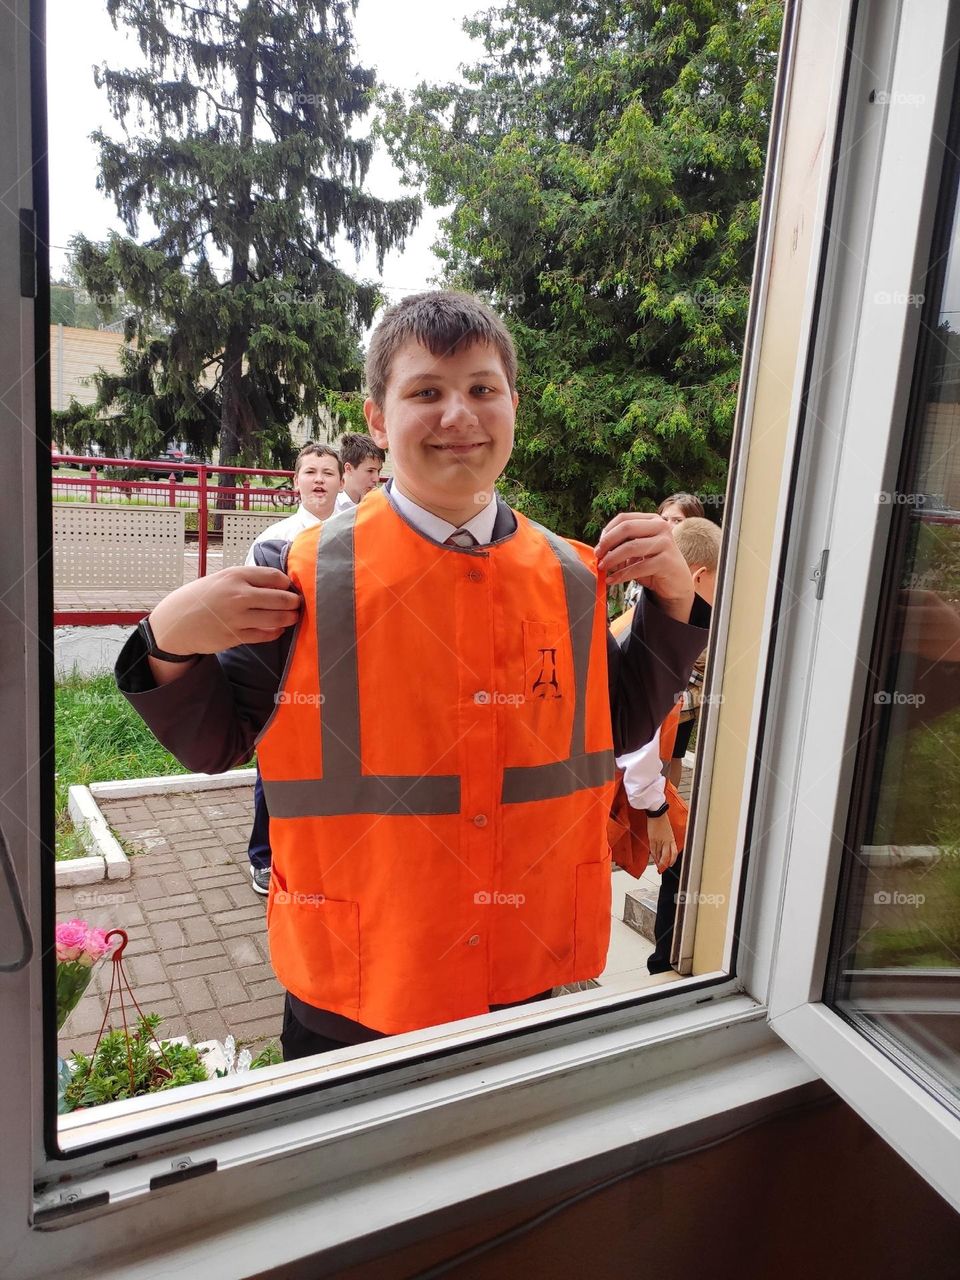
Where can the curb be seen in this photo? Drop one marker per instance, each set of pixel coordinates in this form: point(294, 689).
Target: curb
point(105, 858)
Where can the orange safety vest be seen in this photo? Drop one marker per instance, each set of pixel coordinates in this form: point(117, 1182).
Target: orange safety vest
point(627, 827)
point(439, 771)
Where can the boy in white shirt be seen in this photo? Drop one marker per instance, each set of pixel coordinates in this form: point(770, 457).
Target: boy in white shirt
point(317, 477)
point(362, 463)
point(698, 541)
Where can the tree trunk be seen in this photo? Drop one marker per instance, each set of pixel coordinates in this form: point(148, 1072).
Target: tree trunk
point(234, 421)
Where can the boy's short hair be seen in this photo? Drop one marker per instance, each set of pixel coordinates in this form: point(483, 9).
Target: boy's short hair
point(688, 503)
point(322, 451)
point(698, 541)
point(355, 447)
point(441, 321)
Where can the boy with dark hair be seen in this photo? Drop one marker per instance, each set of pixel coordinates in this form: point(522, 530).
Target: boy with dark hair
point(362, 463)
point(437, 736)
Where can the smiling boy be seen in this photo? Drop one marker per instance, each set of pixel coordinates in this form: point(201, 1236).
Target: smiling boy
point(437, 735)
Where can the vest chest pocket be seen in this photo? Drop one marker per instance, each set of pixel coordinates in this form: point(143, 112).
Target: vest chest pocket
point(546, 668)
point(315, 949)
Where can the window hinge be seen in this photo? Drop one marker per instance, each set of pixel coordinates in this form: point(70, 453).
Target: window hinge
point(819, 572)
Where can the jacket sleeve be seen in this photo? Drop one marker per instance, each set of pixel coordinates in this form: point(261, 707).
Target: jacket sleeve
point(211, 717)
point(649, 666)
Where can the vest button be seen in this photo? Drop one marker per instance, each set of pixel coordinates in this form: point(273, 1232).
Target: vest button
point(480, 820)
point(475, 575)
point(474, 940)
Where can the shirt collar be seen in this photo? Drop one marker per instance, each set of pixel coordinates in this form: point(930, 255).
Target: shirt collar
point(306, 518)
point(432, 526)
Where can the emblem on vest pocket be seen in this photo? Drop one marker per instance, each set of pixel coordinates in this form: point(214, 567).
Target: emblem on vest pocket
point(544, 653)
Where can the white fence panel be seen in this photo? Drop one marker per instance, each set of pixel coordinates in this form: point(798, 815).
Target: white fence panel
point(95, 545)
point(239, 530)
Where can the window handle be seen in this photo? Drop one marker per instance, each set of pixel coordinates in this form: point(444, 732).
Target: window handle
point(16, 899)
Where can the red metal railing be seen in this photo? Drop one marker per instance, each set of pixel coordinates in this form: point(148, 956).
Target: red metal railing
point(208, 499)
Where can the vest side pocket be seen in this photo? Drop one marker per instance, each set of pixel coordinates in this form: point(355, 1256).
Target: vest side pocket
point(315, 949)
point(592, 924)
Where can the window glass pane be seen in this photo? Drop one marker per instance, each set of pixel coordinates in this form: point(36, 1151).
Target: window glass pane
point(896, 953)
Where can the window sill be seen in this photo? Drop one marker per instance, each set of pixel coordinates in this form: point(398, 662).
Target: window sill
point(580, 1107)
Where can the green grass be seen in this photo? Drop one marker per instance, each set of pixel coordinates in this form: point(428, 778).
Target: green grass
point(99, 738)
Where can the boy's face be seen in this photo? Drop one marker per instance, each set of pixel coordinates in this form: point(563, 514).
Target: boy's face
point(360, 479)
point(318, 483)
point(448, 423)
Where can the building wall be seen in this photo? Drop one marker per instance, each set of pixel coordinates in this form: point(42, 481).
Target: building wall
point(75, 354)
point(813, 1193)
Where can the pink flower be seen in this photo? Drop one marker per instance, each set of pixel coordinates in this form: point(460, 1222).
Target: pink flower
point(70, 938)
point(95, 945)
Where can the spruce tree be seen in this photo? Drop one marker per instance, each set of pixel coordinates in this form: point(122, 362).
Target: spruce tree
point(240, 149)
point(602, 164)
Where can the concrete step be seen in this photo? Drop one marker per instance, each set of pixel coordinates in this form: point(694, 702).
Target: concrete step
point(640, 911)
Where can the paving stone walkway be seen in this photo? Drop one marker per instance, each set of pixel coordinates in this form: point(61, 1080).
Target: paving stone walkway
point(198, 947)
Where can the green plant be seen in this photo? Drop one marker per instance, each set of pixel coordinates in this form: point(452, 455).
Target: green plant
point(118, 1070)
point(99, 738)
point(268, 1056)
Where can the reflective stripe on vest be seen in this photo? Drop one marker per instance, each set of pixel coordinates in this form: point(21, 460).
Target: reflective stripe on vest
point(580, 770)
point(344, 789)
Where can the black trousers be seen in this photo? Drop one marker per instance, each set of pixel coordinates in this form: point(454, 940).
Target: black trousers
point(258, 850)
point(298, 1041)
point(658, 961)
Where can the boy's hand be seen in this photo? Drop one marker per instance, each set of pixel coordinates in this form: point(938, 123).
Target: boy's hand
point(663, 847)
point(637, 545)
point(242, 605)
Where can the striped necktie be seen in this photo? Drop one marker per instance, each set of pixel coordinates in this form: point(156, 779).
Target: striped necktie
point(461, 538)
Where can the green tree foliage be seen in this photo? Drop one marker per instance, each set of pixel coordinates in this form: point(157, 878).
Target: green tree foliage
point(604, 163)
point(241, 150)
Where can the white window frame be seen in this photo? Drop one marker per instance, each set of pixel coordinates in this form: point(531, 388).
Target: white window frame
point(328, 1169)
point(863, 360)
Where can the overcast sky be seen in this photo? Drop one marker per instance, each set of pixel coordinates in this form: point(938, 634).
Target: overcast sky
point(404, 43)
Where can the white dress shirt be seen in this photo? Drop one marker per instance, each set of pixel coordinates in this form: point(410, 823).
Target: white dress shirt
point(284, 530)
point(343, 503)
point(643, 781)
point(425, 522)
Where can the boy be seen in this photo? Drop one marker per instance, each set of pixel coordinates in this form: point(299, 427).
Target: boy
point(698, 541)
point(439, 759)
point(362, 463)
point(317, 476)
